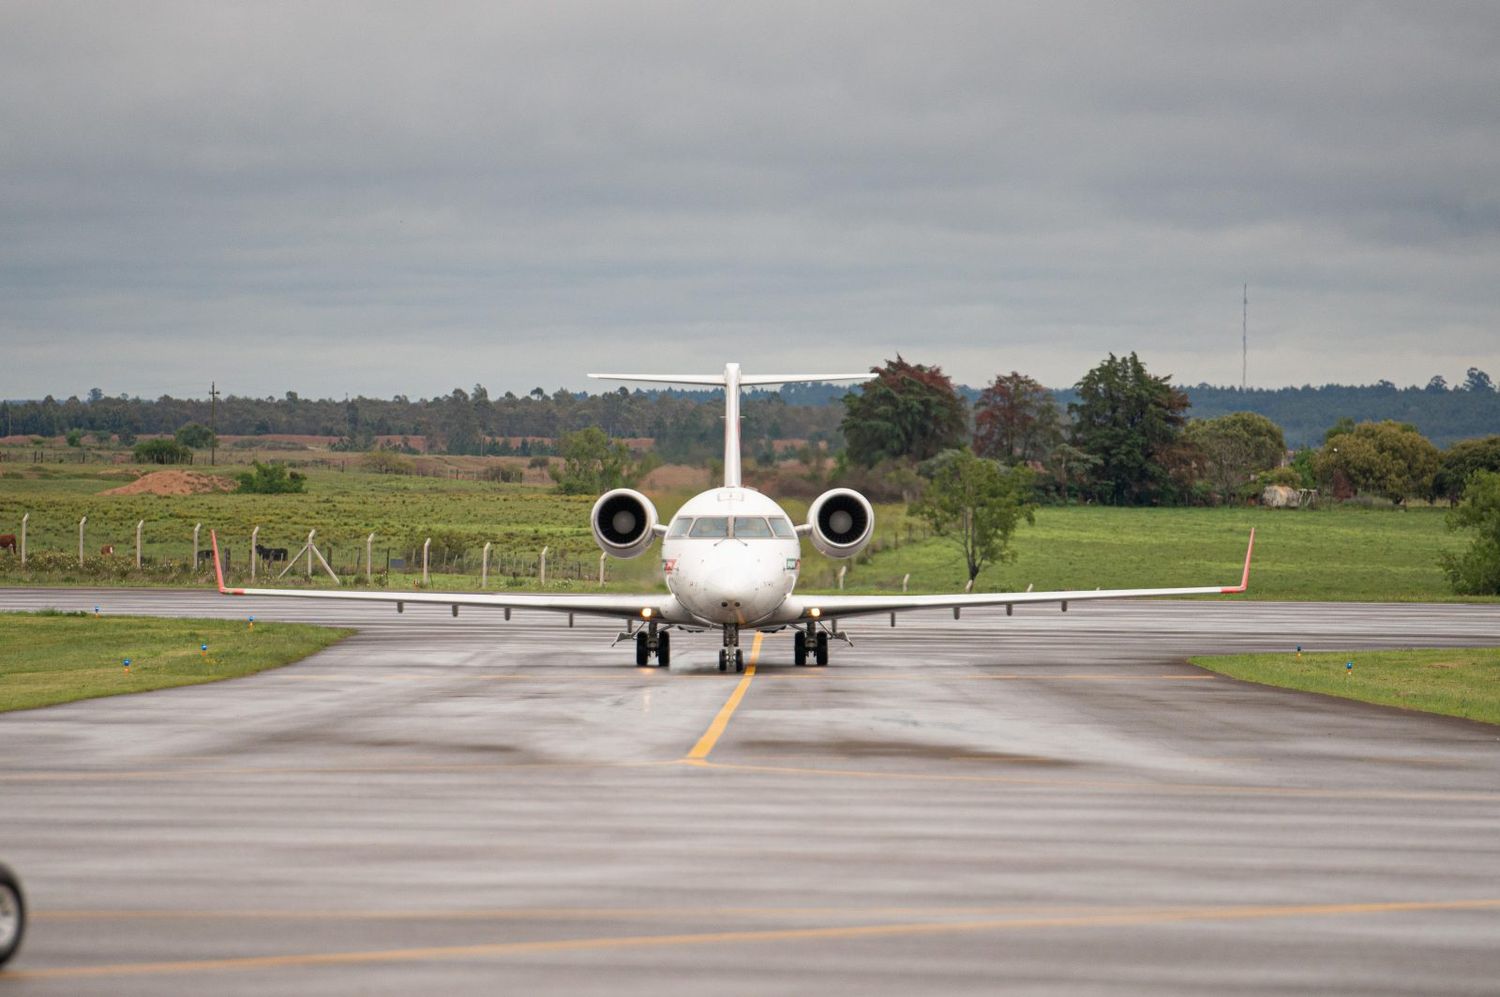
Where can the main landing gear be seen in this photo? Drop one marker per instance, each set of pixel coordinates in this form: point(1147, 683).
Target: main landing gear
point(731, 650)
point(649, 642)
point(818, 639)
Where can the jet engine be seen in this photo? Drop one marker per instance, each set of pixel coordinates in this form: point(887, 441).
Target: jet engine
point(840, 522)
point(624, 523)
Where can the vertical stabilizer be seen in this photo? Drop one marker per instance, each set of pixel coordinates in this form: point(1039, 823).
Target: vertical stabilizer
point(731, 425)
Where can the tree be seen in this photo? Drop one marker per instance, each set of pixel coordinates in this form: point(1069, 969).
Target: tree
point(976, 504)
point(1437, 384)
point(908, 411)
point(197, 436)
point(1235, 448)
point(1477, 380)
point(1477, 570)
point(162, 452)
point(1460, 462)
point(1382, 458)
point(1069, 465)
point(593, 463)
point(1015, 420)
point(270, 479)
point(1131, 421)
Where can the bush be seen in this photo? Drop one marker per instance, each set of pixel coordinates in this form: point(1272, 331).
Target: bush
point(162, 452)
point(197, 436)
point(386, 462)
point(270, 479)
point(504, 473)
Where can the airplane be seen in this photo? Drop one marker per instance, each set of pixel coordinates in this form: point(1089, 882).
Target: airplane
point(730, 558)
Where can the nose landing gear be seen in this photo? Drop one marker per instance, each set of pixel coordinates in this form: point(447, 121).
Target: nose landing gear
point(731, 650)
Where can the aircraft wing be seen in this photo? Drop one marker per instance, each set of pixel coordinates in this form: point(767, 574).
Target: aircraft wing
point(804, 607)
point(651, 606)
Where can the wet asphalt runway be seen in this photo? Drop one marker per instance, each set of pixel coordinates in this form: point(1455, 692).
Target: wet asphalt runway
point(1045, 803)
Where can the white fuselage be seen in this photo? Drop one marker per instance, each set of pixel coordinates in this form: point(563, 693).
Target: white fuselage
point(731, 555)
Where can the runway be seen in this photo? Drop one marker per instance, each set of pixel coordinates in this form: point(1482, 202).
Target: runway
point(1043, 803)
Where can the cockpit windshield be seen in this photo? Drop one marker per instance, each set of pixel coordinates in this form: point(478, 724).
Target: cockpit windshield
point(680, 526)
point(751, 527)
point(711, 527)
point(782, 528)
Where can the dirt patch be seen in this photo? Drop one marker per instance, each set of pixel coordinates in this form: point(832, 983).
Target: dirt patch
point(677, 477)
point(174, 483)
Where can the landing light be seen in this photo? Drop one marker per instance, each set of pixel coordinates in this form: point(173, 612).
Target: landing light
point(815, 612)
point(646, 613)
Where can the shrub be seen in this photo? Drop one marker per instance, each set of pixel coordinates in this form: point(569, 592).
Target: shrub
point(270, 479)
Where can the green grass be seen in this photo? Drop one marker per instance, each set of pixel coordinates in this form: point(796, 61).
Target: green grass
point(52, 657)
point(1454, 682)
point(1342, 553)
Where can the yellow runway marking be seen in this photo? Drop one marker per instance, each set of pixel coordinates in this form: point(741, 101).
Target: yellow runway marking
point(1135, 918)
point(716, 729)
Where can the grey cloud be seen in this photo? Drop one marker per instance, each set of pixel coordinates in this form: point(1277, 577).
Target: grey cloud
point(382, 198)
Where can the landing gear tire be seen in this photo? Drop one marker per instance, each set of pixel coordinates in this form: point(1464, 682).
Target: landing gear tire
point(642, 651)
point(663, 650)
point(12, 915)
point(799, 649)
point(723, 659)
point(739, 660)
point(820, 649)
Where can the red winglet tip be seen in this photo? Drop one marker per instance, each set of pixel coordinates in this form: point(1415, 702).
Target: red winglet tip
point(1245, 578)
point(213, 538)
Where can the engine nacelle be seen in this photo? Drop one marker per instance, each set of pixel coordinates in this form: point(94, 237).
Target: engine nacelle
point(840, 522)
point(624, 523)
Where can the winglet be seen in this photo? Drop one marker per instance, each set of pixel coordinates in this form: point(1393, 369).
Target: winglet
point(213, 538)
point(1245, 578)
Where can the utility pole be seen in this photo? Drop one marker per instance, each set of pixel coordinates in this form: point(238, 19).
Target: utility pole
point(213, 421)
point(1244, 335)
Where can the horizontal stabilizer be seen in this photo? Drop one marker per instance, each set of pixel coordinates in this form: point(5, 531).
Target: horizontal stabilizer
point(746, 380)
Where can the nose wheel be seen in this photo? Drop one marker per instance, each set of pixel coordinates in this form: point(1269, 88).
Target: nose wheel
point(727, 655)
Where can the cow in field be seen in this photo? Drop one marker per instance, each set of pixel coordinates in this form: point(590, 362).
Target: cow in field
point(270, 553)
point(8, 542)
point(108, 550)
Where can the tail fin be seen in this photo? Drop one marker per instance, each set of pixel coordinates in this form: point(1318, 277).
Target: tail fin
point(733, 381)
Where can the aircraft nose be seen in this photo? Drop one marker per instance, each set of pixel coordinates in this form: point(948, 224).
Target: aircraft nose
point(742, 588)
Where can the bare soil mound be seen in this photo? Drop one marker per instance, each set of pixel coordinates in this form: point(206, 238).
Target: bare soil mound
point(174, 483)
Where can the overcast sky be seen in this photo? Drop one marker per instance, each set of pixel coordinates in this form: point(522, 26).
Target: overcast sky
point(380, 198)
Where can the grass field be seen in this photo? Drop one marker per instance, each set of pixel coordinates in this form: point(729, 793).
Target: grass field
point(55, 658)
point(1454, 682)
point(1341, 553)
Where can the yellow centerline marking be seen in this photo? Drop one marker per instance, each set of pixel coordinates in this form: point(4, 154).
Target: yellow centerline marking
point(716, 729)
point(847, 933)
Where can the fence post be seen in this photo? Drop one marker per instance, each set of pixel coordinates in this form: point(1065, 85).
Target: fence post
point(310, 535)
point(85, 519)
point(254, 554)
point(843, 570)
point(369, 565)
point(542, 569)
point(138, 527)
point(904, 579)
point(195, 545)
point(23, 538)
point(484, 566)
point(426, 544)
point(602, 557)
